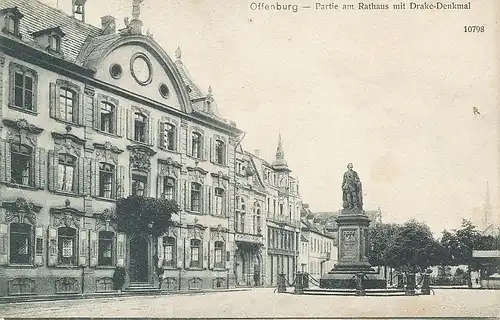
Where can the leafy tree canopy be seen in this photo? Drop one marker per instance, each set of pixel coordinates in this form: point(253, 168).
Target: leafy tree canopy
point(137, 214)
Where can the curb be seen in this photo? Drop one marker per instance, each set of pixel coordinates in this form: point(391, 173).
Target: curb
point(41, 298)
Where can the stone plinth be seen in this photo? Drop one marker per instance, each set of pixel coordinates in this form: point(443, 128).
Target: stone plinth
point(352, 255)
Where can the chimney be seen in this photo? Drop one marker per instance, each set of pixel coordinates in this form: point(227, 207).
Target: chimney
point(256, 152)
point(108, 25)
point(78, 9)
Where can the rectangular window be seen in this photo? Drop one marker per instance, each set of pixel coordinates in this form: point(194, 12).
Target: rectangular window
point(105, 248)
point(67, 99)
point(107, 114)
point(195, 197)
point(218, 250)
point(242, 222)
point(106, 178)
point(66, 172)
point(170, 137)
point(20, 243)
point(23, 91)
point(139, 184)
point(220, 152)
point(168, 251)
point(195, 253)
point(168, 188)
point(219, 201)
point(21, 157)
point(140, 121)
point(196, 142)
point(66, 238)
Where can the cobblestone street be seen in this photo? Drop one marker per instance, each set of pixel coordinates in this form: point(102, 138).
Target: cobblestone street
point(259, 303)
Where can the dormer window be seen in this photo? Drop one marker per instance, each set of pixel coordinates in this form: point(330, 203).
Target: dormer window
point(55, 43)
point(50, 39)
point(12, 17)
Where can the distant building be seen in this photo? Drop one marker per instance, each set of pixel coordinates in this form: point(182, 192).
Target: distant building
point(318, 249)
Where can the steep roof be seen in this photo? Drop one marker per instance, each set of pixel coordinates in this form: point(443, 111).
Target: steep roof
point(39, 16)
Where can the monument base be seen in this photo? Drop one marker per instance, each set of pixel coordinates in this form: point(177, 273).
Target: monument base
point(345, 278)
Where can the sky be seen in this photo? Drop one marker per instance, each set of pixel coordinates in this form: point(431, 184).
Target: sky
point(392, 92)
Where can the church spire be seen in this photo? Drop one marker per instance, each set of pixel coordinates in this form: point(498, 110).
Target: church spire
point(280, 163)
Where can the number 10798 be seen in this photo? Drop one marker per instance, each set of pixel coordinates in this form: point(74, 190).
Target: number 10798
point(472, 29)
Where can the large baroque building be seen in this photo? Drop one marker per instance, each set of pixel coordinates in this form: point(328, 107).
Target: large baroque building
point(89, 115)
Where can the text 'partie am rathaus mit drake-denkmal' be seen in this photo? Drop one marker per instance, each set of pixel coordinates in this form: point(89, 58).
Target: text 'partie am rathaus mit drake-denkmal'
point(411, 5)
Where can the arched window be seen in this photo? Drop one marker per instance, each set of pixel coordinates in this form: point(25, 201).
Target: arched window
point(67, 100)
point(195, 197)
point(66, 172)
point(169, 253)
point(220, 152)
point(140, 127)
point(20, 243)
point(106, 248)
point(21, 164)
point(196, 145)
point(195, 246)
point(66, 240)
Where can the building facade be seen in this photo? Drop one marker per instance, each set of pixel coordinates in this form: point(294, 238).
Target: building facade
point(89, 115)
point(318, 248)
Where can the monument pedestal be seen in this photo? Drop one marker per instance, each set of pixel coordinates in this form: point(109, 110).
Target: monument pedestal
point(352, 255)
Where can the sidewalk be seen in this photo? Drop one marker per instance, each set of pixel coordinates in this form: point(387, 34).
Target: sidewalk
point(55, 297)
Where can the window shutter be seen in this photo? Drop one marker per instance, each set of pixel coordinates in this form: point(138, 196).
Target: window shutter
point(130, 124)
point(179, 253)
point(151, 131)
point(205, 254)
point(120, 182)
point(120, 122)
point(206, 200)
point(187, 195)
point(53, 105)
point(97, 114)
point(86, 176)
point(120, 249)
point(39, 246)
point(53, 170)
point(205, 147)
point(212, 200)
point(81, 175)
point(81, 108)
point(187, 253)
point(211, 257)
point(159, 186)
point(189, 141)
point(52, 246)
point(4, 161)
point(93, 248)
point(40, 165)
point(212, 150)
point(161, 134)
point(82, 247)
point(4, 244)
point(226, 202)
point(160, 252)
point(95, 178)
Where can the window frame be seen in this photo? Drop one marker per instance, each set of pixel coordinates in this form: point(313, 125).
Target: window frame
point(142, 178)
point(170, 136)
point(113, 173)
point(30, 159)
point(169, 241)
point(12, 14)
point(166, 186)
point(74, 178)
point(199, 198)
point(29, 236)
point(219, 198)
point(144, 125)
point(14, 69)
point(60, 247)
point(104, 116)
point(198, 138)
point(219, 249)
point(101, 260)
point(220, 152)
point(195, 243)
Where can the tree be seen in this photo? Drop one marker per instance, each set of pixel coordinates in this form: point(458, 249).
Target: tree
point(135, 215)
point(380, 236)
point(413, 248)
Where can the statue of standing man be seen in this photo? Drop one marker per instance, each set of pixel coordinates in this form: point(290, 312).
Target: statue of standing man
point(352, 190)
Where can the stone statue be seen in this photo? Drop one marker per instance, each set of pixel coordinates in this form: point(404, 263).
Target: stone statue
point(352, 190)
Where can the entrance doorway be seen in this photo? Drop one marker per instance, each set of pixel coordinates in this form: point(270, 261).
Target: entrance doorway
point(138, 266)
